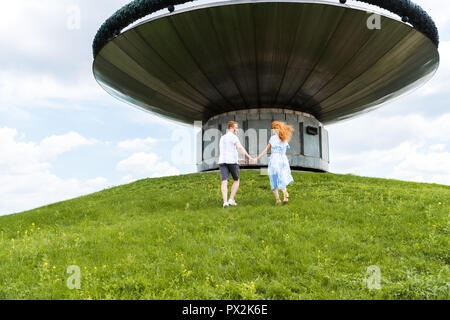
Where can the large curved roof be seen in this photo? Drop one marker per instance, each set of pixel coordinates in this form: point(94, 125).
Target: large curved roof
point(313, 57)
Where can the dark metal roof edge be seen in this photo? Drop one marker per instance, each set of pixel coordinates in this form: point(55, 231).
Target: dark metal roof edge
point(139, 9)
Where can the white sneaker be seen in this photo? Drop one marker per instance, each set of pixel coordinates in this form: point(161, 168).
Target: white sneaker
point(226, 205)
point(232, 203)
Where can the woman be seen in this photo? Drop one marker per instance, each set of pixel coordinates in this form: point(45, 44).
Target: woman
point(279, 170)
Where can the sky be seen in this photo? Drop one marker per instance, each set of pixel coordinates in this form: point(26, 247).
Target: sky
point(62, 136)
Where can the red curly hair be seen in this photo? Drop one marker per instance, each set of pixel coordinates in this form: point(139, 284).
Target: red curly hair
point(284, 130)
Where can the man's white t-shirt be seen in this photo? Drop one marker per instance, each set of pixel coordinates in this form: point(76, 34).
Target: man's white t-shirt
point(227, 148)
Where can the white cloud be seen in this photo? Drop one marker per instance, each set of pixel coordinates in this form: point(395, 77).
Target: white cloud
point(431, 166)
point(376, 131)
point(55, 145)
point(25, 157)
point(437, 9)
point(409, 147)
point(25, 178)
point(137, 144)
point(408, 161)
point(19, 157)
point(43, 63)
point(25, 90)
point(438, 147)
point(127, 179)
point(147, 164)
point(12, 17)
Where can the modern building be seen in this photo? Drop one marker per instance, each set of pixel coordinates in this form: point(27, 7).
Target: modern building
point(309, 63)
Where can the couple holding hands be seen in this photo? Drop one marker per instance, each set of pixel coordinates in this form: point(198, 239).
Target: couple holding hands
point(279, 169)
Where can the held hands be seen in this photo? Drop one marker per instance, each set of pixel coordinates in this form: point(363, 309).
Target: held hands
point(250, 161)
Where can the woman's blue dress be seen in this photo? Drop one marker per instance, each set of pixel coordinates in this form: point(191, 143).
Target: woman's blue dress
point(279, 169)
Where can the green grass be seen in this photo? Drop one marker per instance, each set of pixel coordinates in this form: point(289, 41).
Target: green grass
point(169, 238)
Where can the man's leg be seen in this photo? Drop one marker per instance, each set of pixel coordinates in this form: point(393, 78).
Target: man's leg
point(234, 189)
point(224, 175)
point(235, 172)
point(225, 191)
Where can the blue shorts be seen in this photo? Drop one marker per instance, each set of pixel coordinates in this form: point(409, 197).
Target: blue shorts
point(226, 169)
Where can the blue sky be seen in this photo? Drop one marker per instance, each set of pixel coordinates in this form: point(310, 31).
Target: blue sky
point(62, 136)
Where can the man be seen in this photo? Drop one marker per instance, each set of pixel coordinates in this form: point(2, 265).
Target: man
point(229, 163)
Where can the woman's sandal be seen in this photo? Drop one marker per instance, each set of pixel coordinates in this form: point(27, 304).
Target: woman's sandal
point(278, 202)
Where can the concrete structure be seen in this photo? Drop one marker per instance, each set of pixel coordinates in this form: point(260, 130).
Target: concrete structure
point(309, 143)
point(256, 61)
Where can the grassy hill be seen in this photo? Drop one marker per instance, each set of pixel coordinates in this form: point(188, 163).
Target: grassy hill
point(169, 238)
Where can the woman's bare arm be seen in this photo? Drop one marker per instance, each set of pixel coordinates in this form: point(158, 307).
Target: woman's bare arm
point(264, 152)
